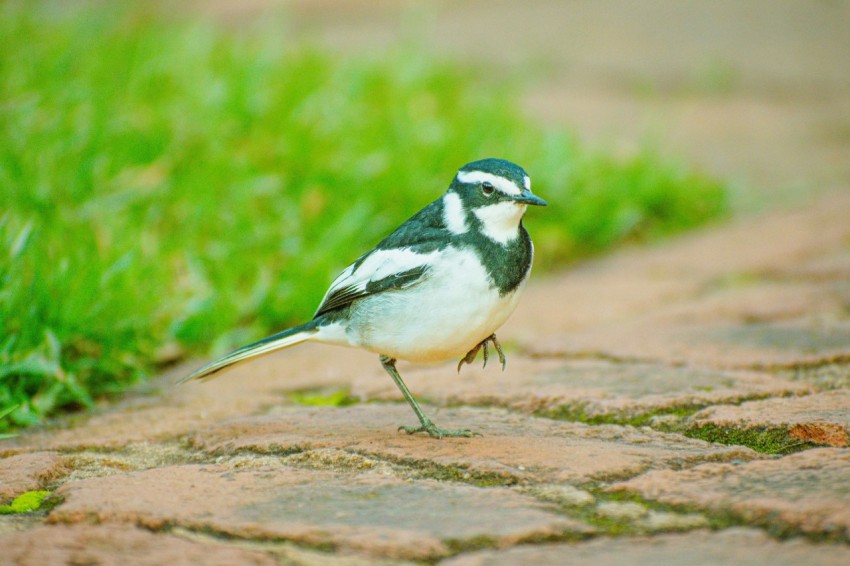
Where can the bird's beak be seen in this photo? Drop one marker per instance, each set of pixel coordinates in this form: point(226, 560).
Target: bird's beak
point(527, 197)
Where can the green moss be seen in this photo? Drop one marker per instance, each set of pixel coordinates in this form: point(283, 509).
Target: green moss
point(761, 439)
point(25, 503)
point(323, 398)
point(578, 413)
point(464, 475)
point(430, 470)
point(718, 519)
point(481, 542)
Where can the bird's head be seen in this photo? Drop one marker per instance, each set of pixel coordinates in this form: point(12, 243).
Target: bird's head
point(491, 193)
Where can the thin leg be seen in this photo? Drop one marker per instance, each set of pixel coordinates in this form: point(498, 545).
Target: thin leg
point(499, 351)
point(470, 356)
point(427, 425)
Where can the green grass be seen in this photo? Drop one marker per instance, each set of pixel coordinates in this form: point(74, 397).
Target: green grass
point(166, 183)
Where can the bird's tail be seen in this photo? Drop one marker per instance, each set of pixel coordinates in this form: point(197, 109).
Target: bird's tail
point(284, 339)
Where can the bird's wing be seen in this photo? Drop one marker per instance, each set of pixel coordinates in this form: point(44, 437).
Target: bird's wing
point(378, 271)
point(400, 260)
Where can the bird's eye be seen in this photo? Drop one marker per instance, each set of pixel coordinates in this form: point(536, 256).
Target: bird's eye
point(487, 188)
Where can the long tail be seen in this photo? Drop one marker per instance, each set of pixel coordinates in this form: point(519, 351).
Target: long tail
point(284, 339)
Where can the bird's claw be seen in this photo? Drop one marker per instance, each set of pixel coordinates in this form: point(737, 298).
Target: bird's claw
point(436, 432)
point(471, 355)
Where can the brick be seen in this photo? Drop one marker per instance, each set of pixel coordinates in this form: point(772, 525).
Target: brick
point(805, 492)
point(176, 410)
point(118, 545)
point(592, 388)
point(822, 418)
point(27, 472)
point(513, 447)
point(604, 293)
point(366, 512)
point(718, 334)
point(739, 546)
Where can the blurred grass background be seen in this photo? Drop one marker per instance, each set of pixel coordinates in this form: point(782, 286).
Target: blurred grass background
point(171, 188)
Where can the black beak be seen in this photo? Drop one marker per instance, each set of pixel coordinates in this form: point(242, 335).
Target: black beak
point(527, 197)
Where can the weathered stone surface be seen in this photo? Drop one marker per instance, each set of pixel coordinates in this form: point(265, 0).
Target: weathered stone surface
point(365, 512)
point(174, 410)
point(117, 545)
point(27, 472)
point(19, 522)
point(515, 447)
point(668, 522)
point(807, 492)
point(562, 494)
point(288, 553)
point(587, 387)
point(604, 293)
point(739, 546)
point(822, 418)
point(621, 510)
point(741, 301)
point(833, 265)
point(718, 344)
point(756, 293)
point(822, 376)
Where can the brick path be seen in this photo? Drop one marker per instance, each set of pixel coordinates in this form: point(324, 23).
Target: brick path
point(686, 403)
point(601, 442)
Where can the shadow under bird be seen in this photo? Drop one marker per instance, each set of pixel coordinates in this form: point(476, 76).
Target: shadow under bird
point(437, 288)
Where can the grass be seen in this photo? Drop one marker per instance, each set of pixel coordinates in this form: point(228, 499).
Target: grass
point(171, 188)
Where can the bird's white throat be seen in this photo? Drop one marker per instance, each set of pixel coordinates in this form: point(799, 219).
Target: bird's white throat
point(500, 221)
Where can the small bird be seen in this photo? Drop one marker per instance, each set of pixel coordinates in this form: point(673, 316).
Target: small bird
point(437, 288)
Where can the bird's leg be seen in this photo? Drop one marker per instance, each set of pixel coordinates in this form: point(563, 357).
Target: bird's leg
point(499, 351)
point(470, 356)
point(427, 425)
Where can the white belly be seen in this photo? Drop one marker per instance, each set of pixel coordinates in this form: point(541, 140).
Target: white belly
point(443, 317)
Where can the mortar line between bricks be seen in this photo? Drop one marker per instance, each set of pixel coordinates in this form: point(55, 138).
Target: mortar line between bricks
point(263, 545)
point(219, 535)
point(410, 468)
point(601, 356)
point(805, 364)
point(454, 546)
point(719, 519)
point(840, 358)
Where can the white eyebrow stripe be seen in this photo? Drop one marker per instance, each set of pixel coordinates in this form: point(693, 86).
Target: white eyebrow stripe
point(500, 183)
point(526, 182)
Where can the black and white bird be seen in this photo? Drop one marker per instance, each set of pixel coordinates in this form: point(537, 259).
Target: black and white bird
point(437, 288)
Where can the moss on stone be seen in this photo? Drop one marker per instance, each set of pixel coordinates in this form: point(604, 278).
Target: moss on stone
point(579, 413)
point(323, 398)
point(24, 503)
point(461, 474)
point(767, 440)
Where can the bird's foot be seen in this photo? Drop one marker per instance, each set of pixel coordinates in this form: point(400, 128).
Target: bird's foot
point(436, 432)
point(473, 353)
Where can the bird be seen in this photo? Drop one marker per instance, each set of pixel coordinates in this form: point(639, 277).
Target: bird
point(437, 288)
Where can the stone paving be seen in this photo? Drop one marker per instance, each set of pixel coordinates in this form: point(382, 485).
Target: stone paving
point(698, 413)
point(681, 403)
